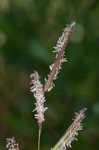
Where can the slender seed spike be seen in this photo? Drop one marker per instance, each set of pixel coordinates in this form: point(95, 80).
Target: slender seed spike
point(59, 49)
point(71, 132)
point(37, 90)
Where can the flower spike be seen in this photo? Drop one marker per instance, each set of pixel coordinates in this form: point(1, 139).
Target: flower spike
point(59, 49)
point(71, 132)
point(37, 90)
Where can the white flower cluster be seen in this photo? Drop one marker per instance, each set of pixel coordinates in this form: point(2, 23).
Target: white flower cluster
point(11, 144)
point(37, 90)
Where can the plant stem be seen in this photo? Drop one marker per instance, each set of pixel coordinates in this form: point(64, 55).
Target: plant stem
point(39, 135)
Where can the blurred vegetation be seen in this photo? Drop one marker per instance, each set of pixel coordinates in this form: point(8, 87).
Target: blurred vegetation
point(28, 31)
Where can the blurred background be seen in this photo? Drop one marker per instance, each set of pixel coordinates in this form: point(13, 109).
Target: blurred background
point(28, 31)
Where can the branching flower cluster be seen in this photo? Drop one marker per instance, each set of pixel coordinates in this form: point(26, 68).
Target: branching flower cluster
point(38, 90)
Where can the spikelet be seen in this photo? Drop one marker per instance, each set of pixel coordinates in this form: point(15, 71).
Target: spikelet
point(59, 49)
point(71, 132)
point(11, 144)
point(37, 90)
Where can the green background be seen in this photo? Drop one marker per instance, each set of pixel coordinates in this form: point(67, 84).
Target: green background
point(29, 30)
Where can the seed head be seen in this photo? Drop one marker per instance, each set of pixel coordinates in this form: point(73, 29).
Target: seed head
point(71, 132)
point(59, 49)
point(37, 90)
